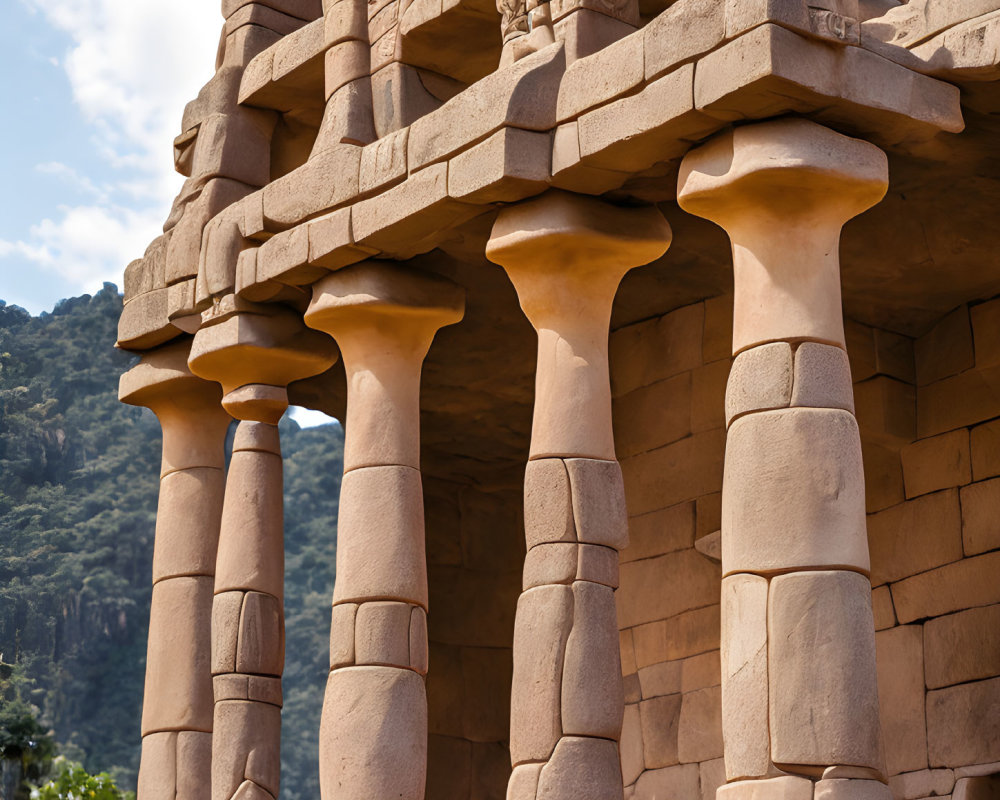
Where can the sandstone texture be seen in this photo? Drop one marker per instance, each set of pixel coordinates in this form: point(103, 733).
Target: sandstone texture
point(666, 341)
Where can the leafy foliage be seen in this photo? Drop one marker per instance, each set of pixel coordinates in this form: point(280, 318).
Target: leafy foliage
point(78, 490)
point(75, 783)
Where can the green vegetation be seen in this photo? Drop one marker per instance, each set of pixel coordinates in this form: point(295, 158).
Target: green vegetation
point(75, 783)
point(78, 489)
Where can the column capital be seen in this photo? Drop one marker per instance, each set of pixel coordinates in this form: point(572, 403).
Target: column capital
point(254, 352)
point(783, 168)
point(783, 190)
point(162, 382)
point(566, 255)
point(565, 252)
point(189, 408)
point(384, 317)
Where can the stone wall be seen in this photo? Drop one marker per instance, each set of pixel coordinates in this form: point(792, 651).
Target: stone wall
point(668, 378)
point(927, 409)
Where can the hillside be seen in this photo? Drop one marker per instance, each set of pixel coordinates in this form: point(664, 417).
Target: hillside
point(78, 489)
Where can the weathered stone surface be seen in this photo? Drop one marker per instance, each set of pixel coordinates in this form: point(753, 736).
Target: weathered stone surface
point(653, 416)
point(744, 676)
point(794, 493)
point(674, 337)
point(261, 650)
point(592, 695)
point(245, 746)
point(760, 380)
point(986, 451)
point(674, 781)
point(821, 645)
point(582, 768)
point(699, 735)
point(822, 377)
point(922, 783)
point(946, 349)
point(660, 679)
point(380, 547)
point(194, 764)
point(373, 734)
point(712, 775)
point(842, 789)
point(178, 689)
point(882, 609)
point(783, 788)
point(963, 724)
point(382, 634)
point(681, 471)
point(664, 531)
point(342, 634)
point(980, 508)
point(915, 536)
point(684, 31)
point(419, 655)
point(598, 494)
point(631, 745)
point(524, 782)
point(548, 509)
point(541, 630)
point(962, 647)
point(936, 463)
point(510, 165)
point(953, 587)
point(900, 661)
point(701, 672)
point(660, 719)
point(685, 635)
point(649, 593)
point(187, 523)
point(158, 766)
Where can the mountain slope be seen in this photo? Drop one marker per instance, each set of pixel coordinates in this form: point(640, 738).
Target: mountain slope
point(78, 489)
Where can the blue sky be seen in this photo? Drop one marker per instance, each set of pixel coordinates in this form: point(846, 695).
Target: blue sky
point(94, 91)
point(93, 96)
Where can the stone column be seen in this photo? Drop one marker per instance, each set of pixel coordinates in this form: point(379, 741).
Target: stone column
point(177, 703)
point(373, 732)
point(254, 352)
point(798, 643)
point(566, 255)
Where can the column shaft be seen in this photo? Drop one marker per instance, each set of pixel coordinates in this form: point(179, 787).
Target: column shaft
point(254, 352)
point(248, 620)
point(566, 256)
point(177, 700)
point(798, 650)
point(373, 731)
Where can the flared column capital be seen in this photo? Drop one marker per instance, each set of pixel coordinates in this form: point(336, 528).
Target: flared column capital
point(788, 168)
point(384, 317)
point(783, 190)
point(254, 352)
point(189, 408)
point(567, 253)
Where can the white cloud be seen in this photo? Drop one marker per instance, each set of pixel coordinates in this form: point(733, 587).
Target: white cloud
point(132, 65)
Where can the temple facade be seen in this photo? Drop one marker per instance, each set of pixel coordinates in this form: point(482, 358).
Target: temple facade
point(666, 339)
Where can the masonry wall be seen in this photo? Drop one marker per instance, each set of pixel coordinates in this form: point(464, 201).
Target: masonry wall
point(929, 414)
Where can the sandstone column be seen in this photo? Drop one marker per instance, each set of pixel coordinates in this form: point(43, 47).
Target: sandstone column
point(566, 255)
point(798, 643)
point(254, 352)
point(177, 702)
point(373, 733)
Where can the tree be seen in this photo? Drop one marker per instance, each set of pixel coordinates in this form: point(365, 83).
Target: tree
point(26, 748)
point(75, 783)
